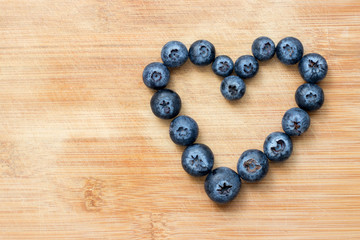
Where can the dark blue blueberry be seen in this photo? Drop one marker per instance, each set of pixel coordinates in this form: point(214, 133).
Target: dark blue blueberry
point(223, 66)
point(289, 50)
point(252, 165)
point(222, 185)
point(202, 52)
point(174, 54)
point(295, 122)
point(263, 48)
point(278, 146)
point(183, 130)
point(156, 75)
point(197, 160)
point(313, 67)
point(246, 66)
point(309, 97)
point(165, 104)
point(232, 88)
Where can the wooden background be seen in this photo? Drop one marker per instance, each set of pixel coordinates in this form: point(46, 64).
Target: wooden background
point(83, 157)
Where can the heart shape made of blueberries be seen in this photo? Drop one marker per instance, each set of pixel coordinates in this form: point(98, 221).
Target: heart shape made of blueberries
point(223, 184)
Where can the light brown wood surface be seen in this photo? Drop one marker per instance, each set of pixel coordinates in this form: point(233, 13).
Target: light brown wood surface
point(83, 157)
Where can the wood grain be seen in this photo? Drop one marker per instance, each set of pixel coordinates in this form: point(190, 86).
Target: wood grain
point(83, 157)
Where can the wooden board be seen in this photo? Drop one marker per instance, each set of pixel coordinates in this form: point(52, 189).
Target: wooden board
point(83, 157)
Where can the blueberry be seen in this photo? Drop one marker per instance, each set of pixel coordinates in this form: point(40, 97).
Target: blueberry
point(183, 130)
point(165, 104)
point(309, 97)
point(289, 50)
point(263, 48)
point(252, 165)
point(313, 67)
point(197, 160)
point(295, 122)
point(174, 54)
point(278, 146)
point(223, 66)
point(246, 66)
point(156, 75)
point(202, 52)
point(232, 88)
point(222, 185)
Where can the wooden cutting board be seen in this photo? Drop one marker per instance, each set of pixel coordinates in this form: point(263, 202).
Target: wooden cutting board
point(83, 157)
